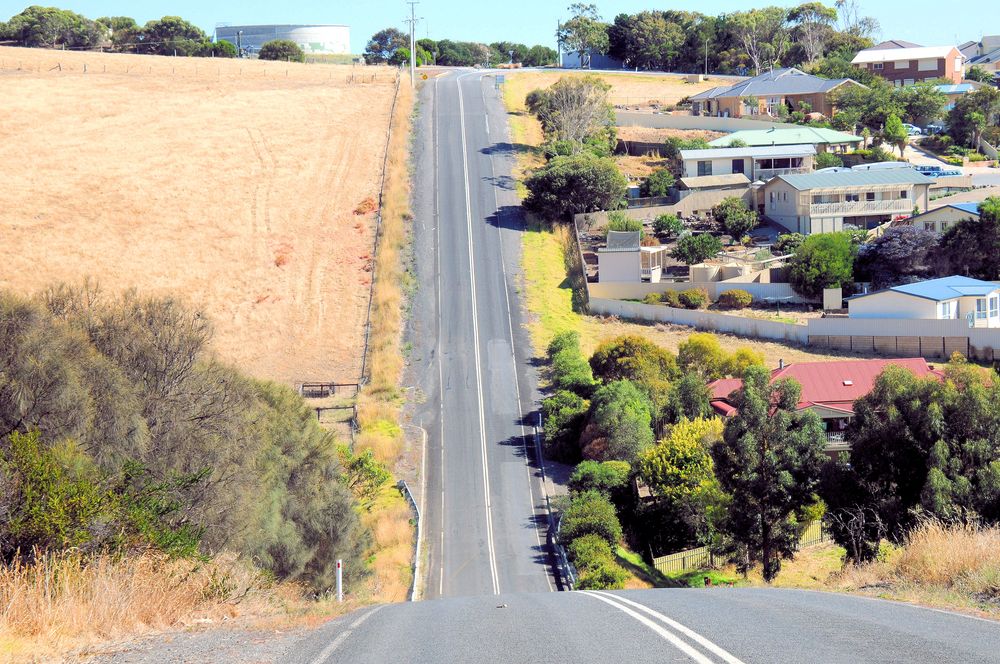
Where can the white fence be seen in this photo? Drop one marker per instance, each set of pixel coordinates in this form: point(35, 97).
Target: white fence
point(703, 320)
point(631, 290)
point(662, 121)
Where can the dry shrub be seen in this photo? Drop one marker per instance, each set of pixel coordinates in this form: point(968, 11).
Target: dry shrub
point(67, 600)
point(366, 206)
point(391, 569)
point(951, 555)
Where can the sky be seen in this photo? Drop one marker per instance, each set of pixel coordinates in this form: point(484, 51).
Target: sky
point(926, 22)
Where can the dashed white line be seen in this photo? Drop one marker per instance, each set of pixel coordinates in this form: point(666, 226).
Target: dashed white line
point(324, 654)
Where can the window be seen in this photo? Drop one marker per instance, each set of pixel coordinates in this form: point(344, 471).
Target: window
point(852, 198)
point(944, 226)
point(878, 66)
point(958, 64)
point(784, 195)
point(737, 165)
point(928, 225)
point(981, 308)
point(908, 81)
point(994, 306)
point(772, 196)
point(944, 310)
point(869, 195)
point(704, 168)
point(904, 194)
point(927, 64)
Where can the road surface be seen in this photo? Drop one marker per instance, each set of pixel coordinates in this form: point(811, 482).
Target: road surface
point(483, 504)
point(654, 626)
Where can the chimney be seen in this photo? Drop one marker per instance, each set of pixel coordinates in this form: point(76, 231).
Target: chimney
point(781, 363)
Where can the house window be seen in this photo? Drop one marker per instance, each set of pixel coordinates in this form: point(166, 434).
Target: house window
point(737, 165)
point(908, 81)
point(765, 164)
point(784, 195)
point(945, 310)
point(944, 226)
point(772, 196)
point(878, 66)
point(928, 225)
point(904, 194)
point(852, 198)
point(869, 195)
point(927, 64)
point(704, 168)
point(994, 306)
point(981, 308)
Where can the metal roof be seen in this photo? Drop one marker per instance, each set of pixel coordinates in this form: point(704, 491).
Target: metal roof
point(953, 89)
point(787, 81)
point(758, 151)
point(895, 54)
point(985, 58)
point(893, 43)
point(706, 181)
point(945, 288)
point(807, 181)
point(622, 241)
point(786, 136)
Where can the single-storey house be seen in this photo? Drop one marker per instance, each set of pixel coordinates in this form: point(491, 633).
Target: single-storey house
point(946, 298)
point(767, 93)
point(829, 389)
point(906, 66)
point(757, 163)
point(830, 202)
point(824, 140)
point(941, 219)
point(624, 259)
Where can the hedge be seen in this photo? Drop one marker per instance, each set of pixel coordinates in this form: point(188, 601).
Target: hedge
point(735, 299)
point(693, 298)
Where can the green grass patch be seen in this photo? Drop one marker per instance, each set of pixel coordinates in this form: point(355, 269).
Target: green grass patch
point(695, 578)
point(548, 292)
point(642, 570)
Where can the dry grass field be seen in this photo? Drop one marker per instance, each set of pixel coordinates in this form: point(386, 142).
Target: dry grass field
point(247, 188)
point(626, 89)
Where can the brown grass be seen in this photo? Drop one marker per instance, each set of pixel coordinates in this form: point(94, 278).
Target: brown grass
point(626, 89)
point(660, 135)
point(232, 183)
point(68, 602)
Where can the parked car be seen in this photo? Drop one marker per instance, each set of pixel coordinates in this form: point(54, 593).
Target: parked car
point(882, 166)
point(935, 128)
point(913, 130)
point(937, 171)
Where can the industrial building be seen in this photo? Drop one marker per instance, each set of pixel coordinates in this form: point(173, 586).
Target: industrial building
point(313, 39)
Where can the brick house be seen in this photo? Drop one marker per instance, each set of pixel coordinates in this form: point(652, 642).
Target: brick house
point(772, 90)
point(906, 66)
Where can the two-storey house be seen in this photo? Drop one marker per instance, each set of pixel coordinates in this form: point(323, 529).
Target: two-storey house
point(757, 163)
point(906, 66)
point(827, 202)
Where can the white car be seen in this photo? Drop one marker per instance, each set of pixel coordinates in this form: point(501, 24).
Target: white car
point(912, 130)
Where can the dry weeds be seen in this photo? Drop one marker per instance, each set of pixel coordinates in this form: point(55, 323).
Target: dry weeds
point(660, 135)
point(231, 182)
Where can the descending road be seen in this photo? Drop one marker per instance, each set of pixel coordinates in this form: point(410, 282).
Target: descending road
point(483, 499)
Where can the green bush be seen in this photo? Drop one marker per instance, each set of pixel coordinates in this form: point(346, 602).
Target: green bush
point(607, 477)
point(589, 552)
point(693, 249)
point(577, 183)
point(672, 298)
point(827, 160)
point(619, 221)
point(825, 260)
point(735, 299)
point(568, 369)
point(591, 513)
point(282, 49)
point(658, 183)
point(668, 224)
point(603, 577)
point(788, 242)
point(652, 298)
point(565, 414)
point(693, 298)
point(735, 218)
point(562, 341)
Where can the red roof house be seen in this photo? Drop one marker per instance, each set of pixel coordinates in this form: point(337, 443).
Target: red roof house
point(828, 388)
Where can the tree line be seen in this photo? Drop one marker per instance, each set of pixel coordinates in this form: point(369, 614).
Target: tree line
point(811, 34)
point(392, 46)
point(120, 431)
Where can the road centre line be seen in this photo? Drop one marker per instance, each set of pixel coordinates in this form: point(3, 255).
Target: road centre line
point(475, 335)
point(324, 655)
point(686, 631)
point(510, 328)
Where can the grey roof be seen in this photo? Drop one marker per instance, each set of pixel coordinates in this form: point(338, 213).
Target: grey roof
point(801, 150)
point(893, 43)
point(622, 241)
point(986, 58)
point(708, 181)
point(852, 178)
point(787, 81)
point(711, 93)
point(785, 136)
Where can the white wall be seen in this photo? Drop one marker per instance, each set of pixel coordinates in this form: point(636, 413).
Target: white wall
point(890, 304)
point(719, 166)
point(784, 209)
point(619, 266)
point(944, 215)
point(687, 121)
point(638, 290)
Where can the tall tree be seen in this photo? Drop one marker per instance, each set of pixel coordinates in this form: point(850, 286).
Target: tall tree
point(972, 247)
point(769, 463)
point(764, 35)
point(903, 254)
point(384, 44)
point(584, 33)
point(812, 21)
point(853, 23)
point(972, 113)
point(823, 261)
point(620, 423)
point(646, 40)
point(574, 109)
point(570, 185)
point(48, 27)
point(895, 134)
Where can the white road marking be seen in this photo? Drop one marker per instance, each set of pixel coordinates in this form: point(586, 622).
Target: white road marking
point(686, 631)
point(475, 335)
point(510, 328)
point(437, 255)
point(329, 650)
point(674, 640)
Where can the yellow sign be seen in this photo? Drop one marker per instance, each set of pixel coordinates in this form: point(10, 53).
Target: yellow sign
point(423, 76)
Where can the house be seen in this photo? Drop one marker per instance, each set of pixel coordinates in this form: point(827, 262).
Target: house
point(757, 163)
point(828, 202)
point(935, 299)
point(829, 389)
point(906, 66)
point(953, 92)
point(765, 94)
point(590, 60)
point(941, 219)
point(824, 140)
point(984, 53)
point(702, 193)
point(624, 259)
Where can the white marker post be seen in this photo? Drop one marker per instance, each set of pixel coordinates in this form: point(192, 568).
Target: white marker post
point(340, 580)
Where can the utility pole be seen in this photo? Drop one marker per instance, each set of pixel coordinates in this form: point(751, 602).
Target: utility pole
point(413, 51)
point(706, 56)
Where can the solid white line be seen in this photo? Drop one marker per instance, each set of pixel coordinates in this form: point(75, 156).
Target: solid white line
point(675, 640)
point(329, 650)
point(475, 335)
point(690, 633)
point(415, 595)
point(510, 328)
point(437, 257)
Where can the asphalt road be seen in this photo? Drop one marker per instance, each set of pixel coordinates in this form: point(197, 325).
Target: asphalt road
point(483, 497)
point(655, 626)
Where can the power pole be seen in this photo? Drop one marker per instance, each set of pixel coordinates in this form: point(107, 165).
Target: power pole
point(413, 52)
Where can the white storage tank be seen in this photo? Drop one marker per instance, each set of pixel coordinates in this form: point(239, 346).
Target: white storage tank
point(312, 39)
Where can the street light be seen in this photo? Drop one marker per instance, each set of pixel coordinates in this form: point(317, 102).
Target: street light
point(511, 57)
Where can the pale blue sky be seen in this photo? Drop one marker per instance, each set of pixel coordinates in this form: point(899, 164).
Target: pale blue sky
point(928, 22)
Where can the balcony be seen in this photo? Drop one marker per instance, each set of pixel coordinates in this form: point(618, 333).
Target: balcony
point(766, 174)
point(861, 208)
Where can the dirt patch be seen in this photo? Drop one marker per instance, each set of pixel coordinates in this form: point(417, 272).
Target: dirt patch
point(232, 184)
point(660, 135)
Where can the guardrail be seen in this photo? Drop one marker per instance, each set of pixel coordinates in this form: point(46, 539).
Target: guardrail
point(567, 573)
point(405, 490)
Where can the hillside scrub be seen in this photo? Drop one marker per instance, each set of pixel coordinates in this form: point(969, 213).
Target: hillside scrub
point(129, 382)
